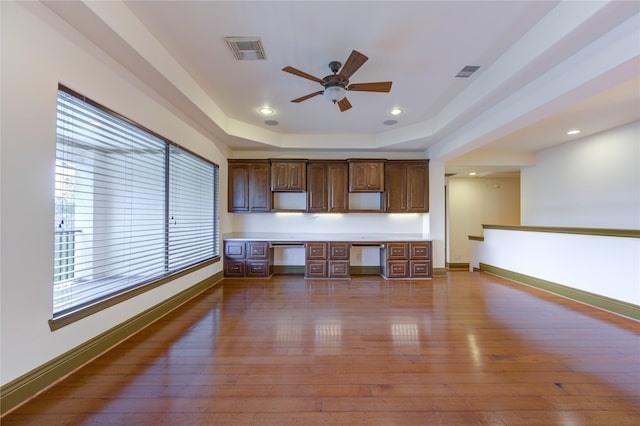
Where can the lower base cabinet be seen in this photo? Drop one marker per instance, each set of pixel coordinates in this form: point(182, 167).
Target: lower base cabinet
point(398, 260)
point(406, 260)
point(327, 260)
point(248, 259)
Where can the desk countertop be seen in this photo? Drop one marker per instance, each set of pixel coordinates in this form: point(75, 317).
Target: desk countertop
point(286, 237)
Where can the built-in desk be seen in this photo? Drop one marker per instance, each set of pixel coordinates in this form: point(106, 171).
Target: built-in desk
point(402, 256)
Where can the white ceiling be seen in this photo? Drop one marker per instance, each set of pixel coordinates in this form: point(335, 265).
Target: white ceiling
point(545, 67)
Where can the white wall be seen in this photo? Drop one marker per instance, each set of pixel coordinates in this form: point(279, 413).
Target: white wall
point(607, 266)
point(591, 182)
point(38, 52)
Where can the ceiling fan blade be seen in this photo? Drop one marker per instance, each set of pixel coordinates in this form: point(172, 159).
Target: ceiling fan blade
point(354, 61)
point(302, 74)
point(344, 104)
point(310, 95)
point(382, 86)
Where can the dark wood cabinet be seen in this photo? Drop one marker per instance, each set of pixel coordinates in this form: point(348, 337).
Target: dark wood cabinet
point(247, 259)
point(406, 260)
point(249, 189)
point(327, 187)
point(407, 186)
point(288, 176)
point(327, 260)
point(366, 175)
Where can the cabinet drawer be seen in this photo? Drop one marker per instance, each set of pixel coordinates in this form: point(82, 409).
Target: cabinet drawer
point(234, 249)
point(257, 268)
point(257, 250)
point(339, 269)
point(316, 251)
point(397, 269)
point(315, 269)
point(397, 251)
point(420, 269)
point(421, 251)
point(339, 251)
point(234, 268)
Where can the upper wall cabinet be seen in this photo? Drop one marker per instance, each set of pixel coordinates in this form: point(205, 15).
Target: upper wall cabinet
point(249, 189)
point(327, 187)
point(288, 176)
point(366, 175)
point(407, 186)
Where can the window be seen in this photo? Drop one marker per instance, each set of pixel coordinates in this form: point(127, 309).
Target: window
point(130, 207)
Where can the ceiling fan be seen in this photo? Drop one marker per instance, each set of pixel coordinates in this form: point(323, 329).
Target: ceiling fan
point(337, 84)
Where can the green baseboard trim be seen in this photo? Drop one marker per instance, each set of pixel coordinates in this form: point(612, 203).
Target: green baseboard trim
point(288, 269)
point(612, 305)
point(457, 266)
point(28, 385)
point(365, 270)
point(439, 272)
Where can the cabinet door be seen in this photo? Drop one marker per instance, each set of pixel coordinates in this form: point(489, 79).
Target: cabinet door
point(288, 176)
point(420, 269)
point(234, 268)
point(420, 250)
point(396, 187)
point(317, 187)
point(339, 269)
point(398, 269)
point(257, 250)
point(397, 251)
point(337, 189)
point(366, 176)
point(417, 187)
point(238, 188)
point(257, 268)
point(259, 189)
point(316, 251)
point(339, 251)
point(234, 249)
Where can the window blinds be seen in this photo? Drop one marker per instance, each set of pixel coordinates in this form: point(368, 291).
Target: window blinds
point(130, 207)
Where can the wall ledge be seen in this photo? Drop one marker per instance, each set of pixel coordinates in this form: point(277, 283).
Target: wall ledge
point(603, 232)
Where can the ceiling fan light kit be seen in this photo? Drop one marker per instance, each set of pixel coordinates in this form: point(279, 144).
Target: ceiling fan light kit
point(336, 85)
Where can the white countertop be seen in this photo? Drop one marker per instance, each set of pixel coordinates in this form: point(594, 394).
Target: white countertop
point(300, 237)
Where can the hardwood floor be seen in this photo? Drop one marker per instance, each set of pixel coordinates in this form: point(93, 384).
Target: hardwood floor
point(466, 349)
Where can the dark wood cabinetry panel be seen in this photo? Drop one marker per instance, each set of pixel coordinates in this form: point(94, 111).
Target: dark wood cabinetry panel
point(288, 176)
point(407, 186)
point(247, 259)
point(366, 175)
point(317, 191)
point(249, 189)
point(327, 189)
point(406, 259)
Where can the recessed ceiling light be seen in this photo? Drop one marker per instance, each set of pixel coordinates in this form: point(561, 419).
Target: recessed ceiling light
point(573, 132)
point(265, 110)
point(472, 174)
point(396, 111)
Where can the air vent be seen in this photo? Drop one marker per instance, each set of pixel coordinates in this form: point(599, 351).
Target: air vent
point(246, 48)
point(467, 71)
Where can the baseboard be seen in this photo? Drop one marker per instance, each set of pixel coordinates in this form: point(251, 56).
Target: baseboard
point(439, 272)
point(288, 269)
point(365, 270)
point(464, 266)
point(612, 305)
point(30, 384)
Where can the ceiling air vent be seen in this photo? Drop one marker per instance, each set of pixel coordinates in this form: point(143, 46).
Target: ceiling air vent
point(246, 48)
point(467, 71)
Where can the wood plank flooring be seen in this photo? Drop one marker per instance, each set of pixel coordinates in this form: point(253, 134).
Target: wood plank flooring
point(464, 349)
